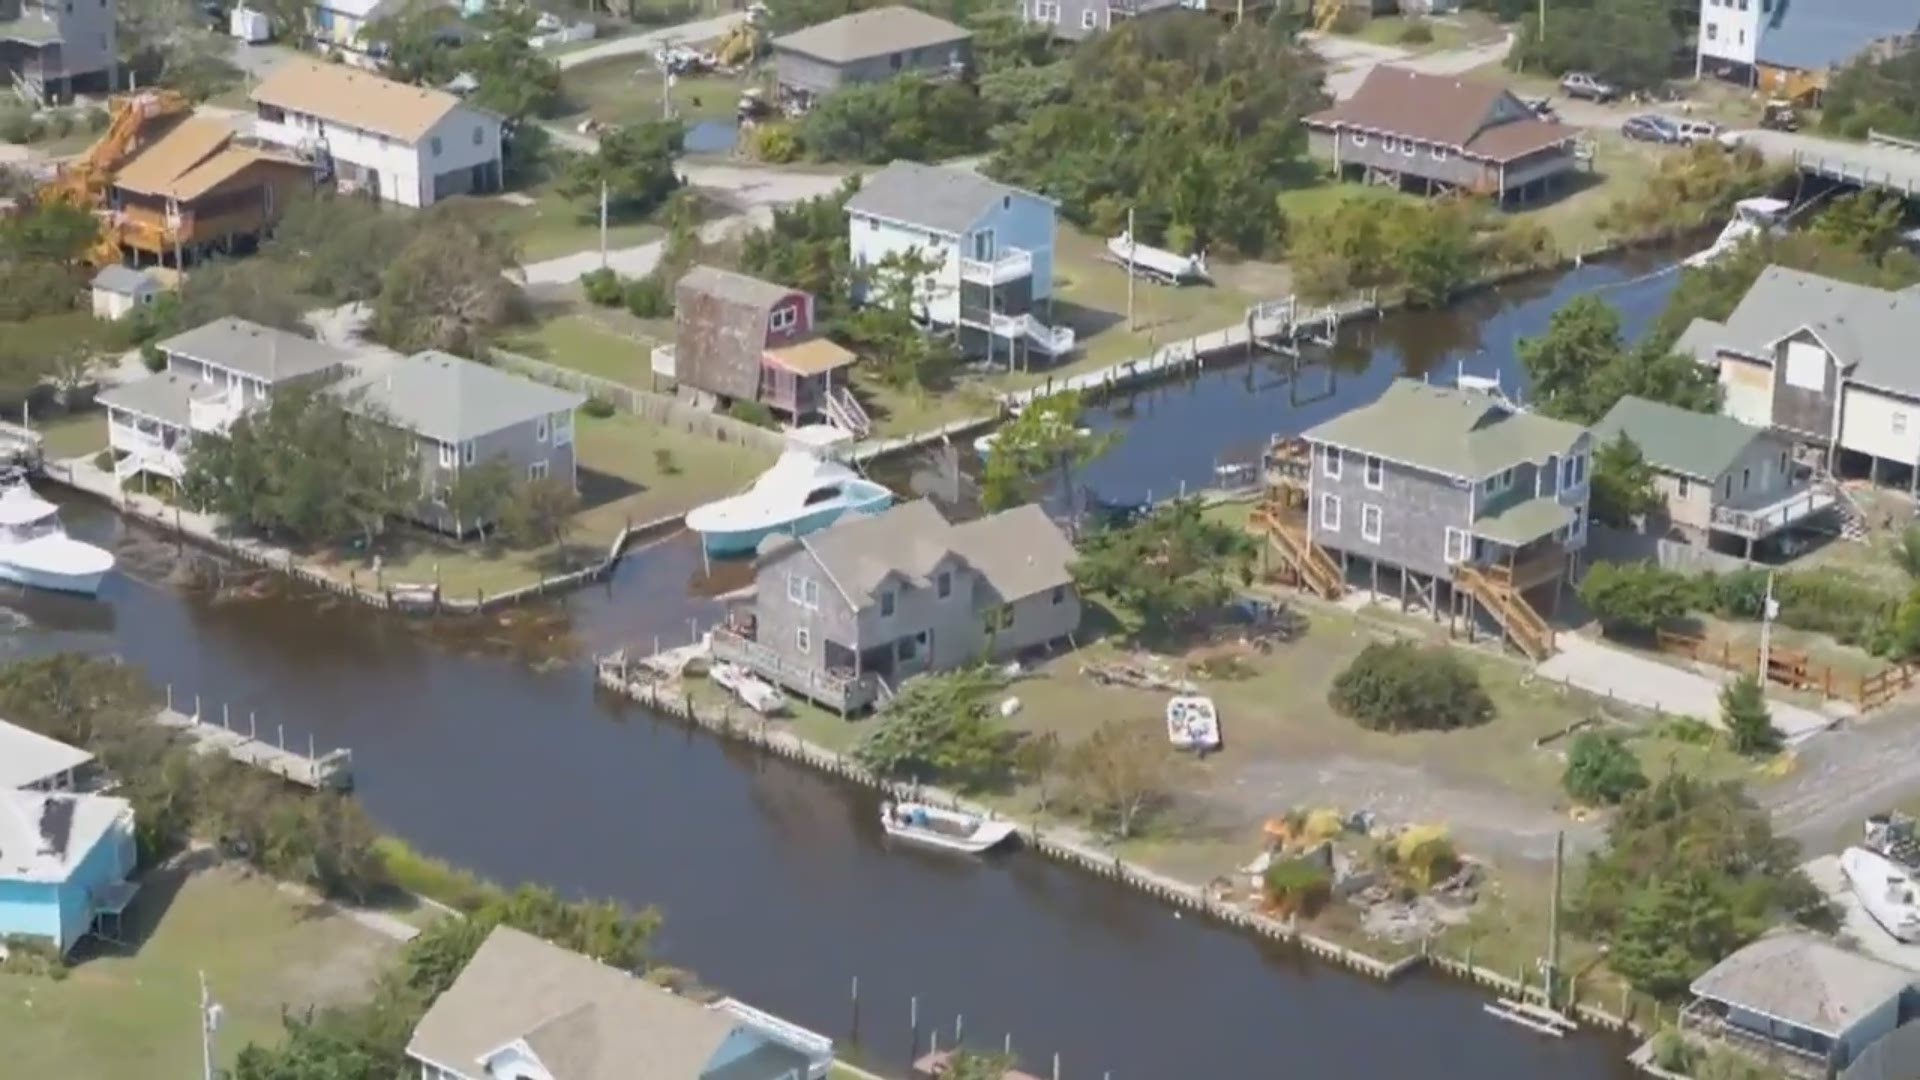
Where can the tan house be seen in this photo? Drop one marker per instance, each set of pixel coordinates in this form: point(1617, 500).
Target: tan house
point(1715, 474)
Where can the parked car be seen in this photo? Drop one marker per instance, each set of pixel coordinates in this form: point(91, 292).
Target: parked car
point(1541, 107)
point(1579, 84)
point(1650, 128)
point(1694, 131)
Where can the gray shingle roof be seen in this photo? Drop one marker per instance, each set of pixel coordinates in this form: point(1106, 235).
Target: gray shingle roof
point(1019, 552)
point(452, 399)
point(1870, 331)
point(256, 350)
point(28, 757)
point(1814, 35)
point(732, 287)
point(1804, 981)
point(874, 32)
point(1524, 521)
point(585, 1020)
point(166, 396)
point(1462, 433)
point(1699, 445)
point(123, 280)
point(933, 197)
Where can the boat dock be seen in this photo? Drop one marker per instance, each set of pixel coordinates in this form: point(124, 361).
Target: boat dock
point(332, 770)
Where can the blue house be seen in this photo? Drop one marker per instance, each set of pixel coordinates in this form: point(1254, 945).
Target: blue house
point(526, 1009)
point(64, 864)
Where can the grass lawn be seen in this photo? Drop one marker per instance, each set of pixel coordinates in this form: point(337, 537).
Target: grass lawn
point(549, 224)
point(1304, 203)
point(631, 470)
point(628, 89)
point(1620, 167)
point(577, 342)
point(72, 434)
point(135, 1013)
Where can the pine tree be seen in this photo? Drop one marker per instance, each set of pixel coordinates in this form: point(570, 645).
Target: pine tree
point(1743, 709)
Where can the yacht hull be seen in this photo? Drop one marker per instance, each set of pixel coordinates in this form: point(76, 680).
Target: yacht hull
point(82, 584)
point(741, 542)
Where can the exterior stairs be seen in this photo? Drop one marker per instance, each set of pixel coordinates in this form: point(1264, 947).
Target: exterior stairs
point(845, 412)
point(1287, 538)
point(1522, 625)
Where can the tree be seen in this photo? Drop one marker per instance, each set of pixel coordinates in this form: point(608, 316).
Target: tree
point(939, 728)
point(257, 290)
point(167, 43)
point(1874, 93)
point(1580, 368)
point(516, 81)
point(1635, 598)
point(1167, 567)
point(887, 330)
point(1433, 250)
point(447, 289)
point(1749, 723)
point(415, 42)
point(1043, 442)
point(307, 1052)
point(480, 493)
point(1118, 772)
point(1712, 291)
point(1402, 687)
point(1037, 759)
point(540, 511)
point(912, 118)
point(1601, 770)
point(634, 164)
point(1865, 221)
point(805, 247)
point(1628, 42)
point(1622, 486)
point(341, 244)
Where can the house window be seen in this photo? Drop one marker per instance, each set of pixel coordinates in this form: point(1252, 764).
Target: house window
point(1359, 138)
point(784, 319)
point(479, 136)
point(1441, 153)
point(1376, 473)
point(896, 61)
point(1726, 489)
point(796, 586)
point(1330, 513)
point(1088, 19)
point(537, 471)
point(1330, 462)
point(1746, 479)
point(1743, 36)
point(886, 604)
point(1059, 594)
point(1713, 31)
point(943, 585)
point(435, 142)
point(1409, 147)
point(1000, 618)
point(1498, 483)
point(1684, 488)
point(1370, 523)
point(1899, 423)
point(1456, 548)
point(540, 429)
point(446, 455)
point(803, 640)
point(466, 452)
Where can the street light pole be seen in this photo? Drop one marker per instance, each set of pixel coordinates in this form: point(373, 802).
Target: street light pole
point(209, 1023)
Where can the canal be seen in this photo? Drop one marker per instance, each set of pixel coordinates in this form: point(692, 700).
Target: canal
point(775, 882)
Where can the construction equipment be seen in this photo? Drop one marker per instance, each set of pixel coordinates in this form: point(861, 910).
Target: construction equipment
point(1779, 115)
point(1327, 13)
point(744, 41)
point(85, 183)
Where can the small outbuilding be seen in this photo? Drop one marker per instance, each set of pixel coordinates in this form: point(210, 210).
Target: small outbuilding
point(118, 290)
point(1794, 997)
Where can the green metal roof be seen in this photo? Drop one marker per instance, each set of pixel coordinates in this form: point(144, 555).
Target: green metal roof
point(1699, 445)
point(30, 29)
point(1463, 433)
point(1524, 521)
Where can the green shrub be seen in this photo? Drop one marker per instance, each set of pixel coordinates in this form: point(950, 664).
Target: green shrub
point(97, 119)
point(775, 144)
point(17, 126)
point(1689, 730)
point(1636, 598)
point(1416, 32)
point(1297, 886)
point(1400, 687)
point(152, 358)
point(59, 123)
point(32, 956)
point(435, 879)
point(603, 287)
point(664, 460)
point(753, 412)
point(648, 298)
point(1749, 723)
point(598, 407)
point(1601, 770)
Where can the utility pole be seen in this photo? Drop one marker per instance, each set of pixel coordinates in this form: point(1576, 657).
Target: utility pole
point(603, 224)
point(1543, 20)
point(209, 1023)
point(1130, 244)
point(1769, 609)
point(1553, 917)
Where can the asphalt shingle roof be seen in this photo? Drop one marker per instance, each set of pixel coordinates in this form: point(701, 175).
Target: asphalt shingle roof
point(28, 757)
point(1475, 117)
point(933, 197)
point(123, 280)
point(874, 32)
point(1700, 445)
point(1804, 981)
point(451, 399)
point(1870, 331)
point(1813, 35)
point(252, 349)
point(1463, 433)
point(1524, 521)
point(1020, 552)
point(166, 396)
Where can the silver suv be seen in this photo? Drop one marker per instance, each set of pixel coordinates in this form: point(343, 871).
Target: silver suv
point(1579, 84)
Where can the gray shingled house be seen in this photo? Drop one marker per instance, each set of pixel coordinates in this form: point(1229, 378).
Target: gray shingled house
point(875, 599)
point(1800, 1001)
point(1076, 20)
point(53, 48)
point(523, 1008)
point(738, 338)
point(1437, 134)
point(1831, 365)
point(214, 372)
point(1447, 496)
point(1714, 473)
point(462, 414)
point(867, 47)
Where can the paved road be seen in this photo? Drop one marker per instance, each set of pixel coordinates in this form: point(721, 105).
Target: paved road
point(1602, 669)
point(1349, 61)
point(645, 44)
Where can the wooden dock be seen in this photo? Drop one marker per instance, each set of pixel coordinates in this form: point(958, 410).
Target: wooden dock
point(332, 770)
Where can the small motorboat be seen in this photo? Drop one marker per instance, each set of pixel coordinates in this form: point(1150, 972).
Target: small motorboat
point(1157, 264)
point(806, 490)
point(941, 828)
point(983, 445)
point(1751, 217)
point(1886, 889)
point(36, 551)
point(1193, 722)
point(754, 692)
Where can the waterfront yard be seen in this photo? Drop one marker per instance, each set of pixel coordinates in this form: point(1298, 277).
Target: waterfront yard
point(629, 90)
point(72, 434)
point(133, 1011)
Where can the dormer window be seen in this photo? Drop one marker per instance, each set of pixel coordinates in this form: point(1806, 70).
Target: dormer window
point(784, 319)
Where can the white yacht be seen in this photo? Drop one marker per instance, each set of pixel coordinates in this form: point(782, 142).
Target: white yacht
point(37, 552)
point(937, 827)
point(1751, 217)
point(805, 490)
point(1886, 889)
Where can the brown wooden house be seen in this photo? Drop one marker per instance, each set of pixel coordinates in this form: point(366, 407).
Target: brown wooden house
point(738, 338)
point(196, 189)
point(1437, 134)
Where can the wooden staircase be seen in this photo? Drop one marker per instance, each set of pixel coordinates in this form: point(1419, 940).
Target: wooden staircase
point(1510, 609)
point(1287, 537)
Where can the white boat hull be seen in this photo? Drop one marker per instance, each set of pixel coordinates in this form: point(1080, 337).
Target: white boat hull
point(1193, 723)
point(1885, 890)
point(83, 584)
point(969, 835)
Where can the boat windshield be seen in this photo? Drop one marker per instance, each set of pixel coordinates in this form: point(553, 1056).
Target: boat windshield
point(32, 530)
point(820, 495)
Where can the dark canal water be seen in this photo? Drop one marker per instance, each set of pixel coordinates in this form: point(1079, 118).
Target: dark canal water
point(775, 882)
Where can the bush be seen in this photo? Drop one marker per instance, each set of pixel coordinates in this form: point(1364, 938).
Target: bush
point(1743, 709)
point(1401, 687)
point(1601, 770)
point(1636, 598)
point(775, 144)
point(1416, 32)
point(648, 298)
point(17, 126)
point(598, 407)
point(97, 119)
point(603, 287)
point(1297, 886)
point(435, 879)
point(152, 358)
point(59, 123)
point(753, 412)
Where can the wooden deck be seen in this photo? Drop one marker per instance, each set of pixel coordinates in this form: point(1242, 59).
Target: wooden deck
point(331, 770)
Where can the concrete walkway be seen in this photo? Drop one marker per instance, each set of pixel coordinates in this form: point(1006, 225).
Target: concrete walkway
point(1601, 669)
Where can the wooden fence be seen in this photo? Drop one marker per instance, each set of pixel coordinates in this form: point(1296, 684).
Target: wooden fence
point(1793, 668)
point(657, 408)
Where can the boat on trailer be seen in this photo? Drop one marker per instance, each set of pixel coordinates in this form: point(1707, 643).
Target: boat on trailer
point(754, 692)
point(938, 827)
point(1157, 264)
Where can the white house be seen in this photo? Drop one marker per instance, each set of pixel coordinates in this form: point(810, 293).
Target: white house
point(406, 144)
point(214, 373)
point(1785, 44)
point(117, 290)
point(992, 250)
point(1832, 365)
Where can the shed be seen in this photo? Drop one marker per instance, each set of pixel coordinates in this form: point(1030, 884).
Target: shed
point(117, 290)
point(1805, 995)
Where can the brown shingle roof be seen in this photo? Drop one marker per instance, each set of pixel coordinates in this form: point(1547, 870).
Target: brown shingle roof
point(1459, 113)
point(720, 324)
point(358, 98)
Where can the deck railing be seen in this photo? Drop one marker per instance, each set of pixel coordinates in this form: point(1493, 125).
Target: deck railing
point(1755, 523)
point(842, 693)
